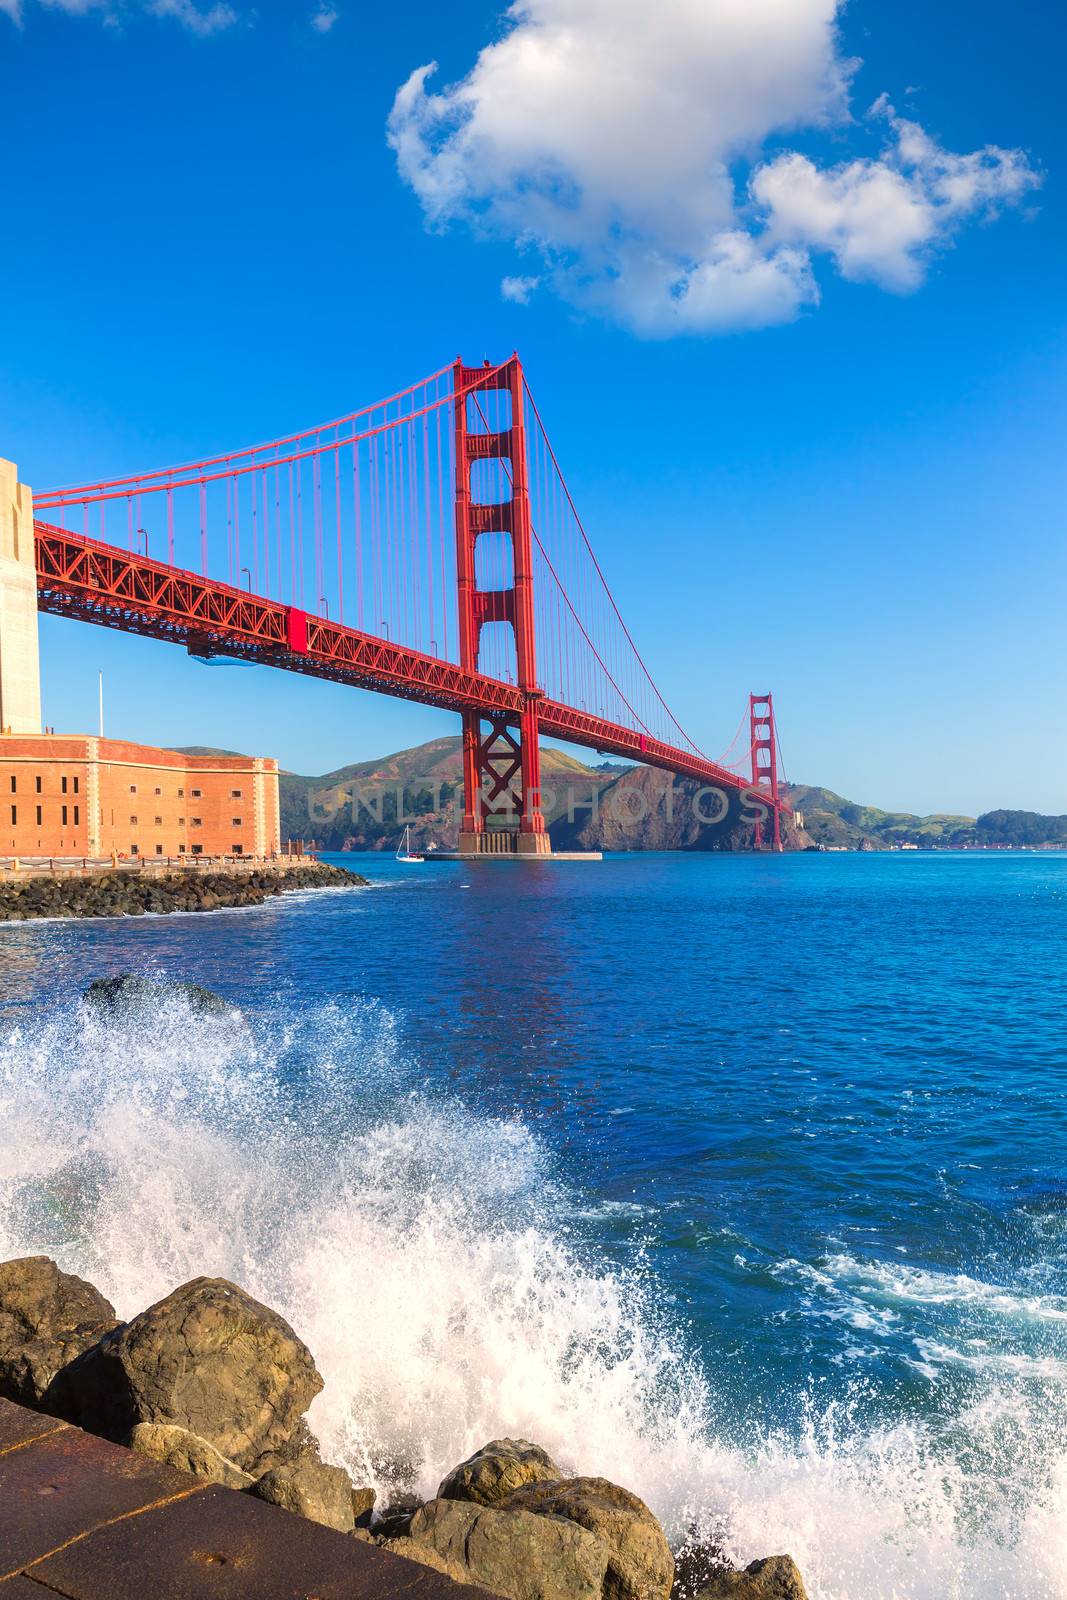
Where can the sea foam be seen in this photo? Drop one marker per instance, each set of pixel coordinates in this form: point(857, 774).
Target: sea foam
point(439, 1271)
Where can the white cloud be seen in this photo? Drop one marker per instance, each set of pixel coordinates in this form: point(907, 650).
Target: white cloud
point(203, 22)
point(881, 219)
point(199, 20)
point(518, 289)
point(624, 144)
point(323, 17)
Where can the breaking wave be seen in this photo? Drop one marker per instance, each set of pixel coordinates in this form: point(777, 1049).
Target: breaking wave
point(450, 1288)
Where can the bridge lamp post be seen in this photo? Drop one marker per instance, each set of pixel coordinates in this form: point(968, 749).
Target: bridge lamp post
point(385, 629)
point(143, 533)
point(248, 576)
point(325, 605)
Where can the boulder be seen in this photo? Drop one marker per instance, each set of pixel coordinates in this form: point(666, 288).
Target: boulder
point(130, 990)
point(47, 1318)
point(177, 1447)
point(514, 1553)
point(363, 1506)
point(311, 1489)
point(212, 1360)
point(496, 1469)
point(773, 1578)
point(426, 1556)
point(640, 1564)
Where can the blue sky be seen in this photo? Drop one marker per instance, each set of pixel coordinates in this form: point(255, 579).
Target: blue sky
point(837, 471)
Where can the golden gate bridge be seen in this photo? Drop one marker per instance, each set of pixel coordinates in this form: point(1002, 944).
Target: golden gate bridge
point(426, 546)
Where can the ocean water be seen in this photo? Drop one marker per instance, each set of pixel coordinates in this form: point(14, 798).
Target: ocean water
point(740, 1180)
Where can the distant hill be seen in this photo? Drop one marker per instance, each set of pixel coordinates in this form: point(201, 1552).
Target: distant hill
point(636, 808)
point(356, 807)
point(832, 822)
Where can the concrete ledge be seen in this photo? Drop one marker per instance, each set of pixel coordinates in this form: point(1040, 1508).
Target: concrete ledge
point(90, 1520)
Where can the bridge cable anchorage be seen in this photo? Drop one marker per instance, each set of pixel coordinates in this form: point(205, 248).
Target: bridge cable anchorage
point(488, 600)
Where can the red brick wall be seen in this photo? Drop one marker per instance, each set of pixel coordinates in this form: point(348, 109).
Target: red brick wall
point(132, 799)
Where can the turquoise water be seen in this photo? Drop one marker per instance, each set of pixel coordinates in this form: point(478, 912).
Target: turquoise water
point(743, 1180)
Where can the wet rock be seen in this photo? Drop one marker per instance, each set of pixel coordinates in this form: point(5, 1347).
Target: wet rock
point(311, 1489)
point(363, 1506)
point(497, 1469)
point(130, 990)
point(395, 1519)
point(640, 1565)
point(696, 1563)
point(132, 893)
point(177, 1447)
point(209, 1358)
point(514, 1553)
point(773, 1578)
point(47, 1318)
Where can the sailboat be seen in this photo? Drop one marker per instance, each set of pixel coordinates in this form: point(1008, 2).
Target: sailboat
point(403, 849)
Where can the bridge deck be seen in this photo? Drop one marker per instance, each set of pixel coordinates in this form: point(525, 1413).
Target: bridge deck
point(98, 582)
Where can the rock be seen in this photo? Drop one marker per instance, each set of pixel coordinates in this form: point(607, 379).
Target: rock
point(773, 1578)
point(514, 1553)
point(696, 1563)
point(496, 1469)
point(129, 990)
point(212, 1360)
point(311, 1489)
point(426, 1556)
point(395, 1519)
point(640, 1565)
point(362, 1506)
point(177, 1447)
point(47, 1318)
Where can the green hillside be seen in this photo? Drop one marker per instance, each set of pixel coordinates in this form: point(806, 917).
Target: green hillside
point(355, 807)
point(830, 820)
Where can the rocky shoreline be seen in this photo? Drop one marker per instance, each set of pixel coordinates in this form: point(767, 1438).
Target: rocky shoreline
point(124, 893)
point(213, 1383)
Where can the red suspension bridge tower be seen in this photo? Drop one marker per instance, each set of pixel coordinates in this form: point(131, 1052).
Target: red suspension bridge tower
point(501, 773)
point(764, 741)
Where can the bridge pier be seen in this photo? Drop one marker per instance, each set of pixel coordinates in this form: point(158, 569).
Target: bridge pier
point(20, 660)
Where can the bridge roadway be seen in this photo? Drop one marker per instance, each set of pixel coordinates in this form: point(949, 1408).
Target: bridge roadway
point(96, 582)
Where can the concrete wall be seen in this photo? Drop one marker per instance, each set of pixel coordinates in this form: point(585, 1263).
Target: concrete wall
point(20, 666)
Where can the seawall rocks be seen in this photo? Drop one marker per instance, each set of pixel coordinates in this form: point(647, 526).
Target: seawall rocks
point(122, 893)
point(216, 1385)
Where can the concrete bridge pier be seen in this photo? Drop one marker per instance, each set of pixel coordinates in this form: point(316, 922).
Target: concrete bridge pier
point(20, 659)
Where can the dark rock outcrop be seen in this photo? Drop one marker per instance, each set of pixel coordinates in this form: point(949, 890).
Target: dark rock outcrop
point(126, 893)
point(209, 1358)
point(395, 1518)
point(47, 1318)
point(497, 1469)
point(640, 1565)
point(773, 1578)
point(131, 990)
